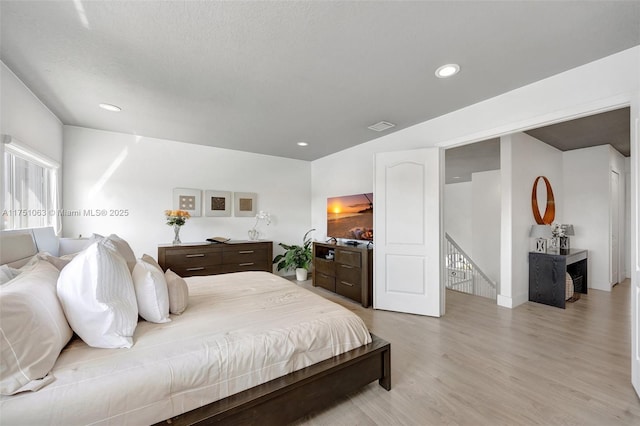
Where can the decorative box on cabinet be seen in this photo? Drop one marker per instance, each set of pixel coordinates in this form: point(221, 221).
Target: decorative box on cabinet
point(349, 272)
point(547, 276)
point(208, 259)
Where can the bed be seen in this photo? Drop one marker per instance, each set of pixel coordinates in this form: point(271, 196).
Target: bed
point(251, 347)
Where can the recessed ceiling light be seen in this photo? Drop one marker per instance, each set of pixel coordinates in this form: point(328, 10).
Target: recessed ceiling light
point(109, 107)
point(302, 144)
point(447, 70)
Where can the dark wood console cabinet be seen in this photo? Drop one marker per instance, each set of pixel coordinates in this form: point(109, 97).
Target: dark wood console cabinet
point(209, 258)
point(349, 272)
point(547, 275)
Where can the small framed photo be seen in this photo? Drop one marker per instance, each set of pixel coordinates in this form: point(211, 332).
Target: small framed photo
point(217, 203)
point(189, 200)
point(244, 203)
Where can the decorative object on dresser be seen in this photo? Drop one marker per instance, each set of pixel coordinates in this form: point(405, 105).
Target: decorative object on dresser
point(296, 257)
point(349, 272)
point(209, 259)
point(217, 203)
point(176, 218)
point(188, 199)
point(550, 206)
point(564, 242)
point(547, 276)
point(254, 234)
point(541, 233)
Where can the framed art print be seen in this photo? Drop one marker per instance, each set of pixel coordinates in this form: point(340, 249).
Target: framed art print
point(217, 203)
point(189, 200)
point(244, 203)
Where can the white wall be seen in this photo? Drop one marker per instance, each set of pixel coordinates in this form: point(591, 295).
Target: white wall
point(528, 158)
point(587, 204)
point(25, 118)
point(458, 208)
point(486, 224)
point(627, 221)
point(610, 82)
point(106, 170)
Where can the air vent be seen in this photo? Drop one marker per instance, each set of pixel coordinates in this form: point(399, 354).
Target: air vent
point(381, 126)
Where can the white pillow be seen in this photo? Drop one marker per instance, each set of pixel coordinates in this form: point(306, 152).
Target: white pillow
point(119, 245)
point(151, 261)
point(33, 329)
point(97, 295)
point(178, 292)
point(151, 292)
point(7, 273)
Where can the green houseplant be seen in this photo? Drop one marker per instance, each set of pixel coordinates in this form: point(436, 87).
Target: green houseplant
point(296, 257)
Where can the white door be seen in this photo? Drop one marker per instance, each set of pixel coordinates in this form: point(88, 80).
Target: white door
point(408, 224)
point(635, 248)
point(615, 228)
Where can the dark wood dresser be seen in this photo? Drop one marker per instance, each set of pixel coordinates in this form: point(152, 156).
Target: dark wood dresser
point(547, 276)
point(216, 258)
point(349, 272)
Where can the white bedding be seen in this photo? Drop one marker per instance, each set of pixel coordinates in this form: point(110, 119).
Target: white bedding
point(239, 330)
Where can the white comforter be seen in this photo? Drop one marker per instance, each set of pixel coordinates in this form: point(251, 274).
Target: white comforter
point(240, 330)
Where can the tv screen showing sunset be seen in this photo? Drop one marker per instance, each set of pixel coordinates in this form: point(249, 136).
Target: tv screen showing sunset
point(350, 217)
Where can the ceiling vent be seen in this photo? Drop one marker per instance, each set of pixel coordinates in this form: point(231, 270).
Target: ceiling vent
point(381, 126)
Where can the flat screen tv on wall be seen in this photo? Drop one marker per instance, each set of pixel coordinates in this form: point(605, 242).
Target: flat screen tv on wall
point(350, 217)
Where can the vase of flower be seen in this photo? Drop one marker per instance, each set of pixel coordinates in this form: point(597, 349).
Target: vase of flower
point(176, 235)
point(176, 219)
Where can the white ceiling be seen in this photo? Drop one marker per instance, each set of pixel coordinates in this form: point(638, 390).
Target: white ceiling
point(261, 76)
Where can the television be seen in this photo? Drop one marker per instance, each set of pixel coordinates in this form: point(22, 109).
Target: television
point(350, 217)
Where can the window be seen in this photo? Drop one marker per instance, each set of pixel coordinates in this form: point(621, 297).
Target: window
point(30, 189)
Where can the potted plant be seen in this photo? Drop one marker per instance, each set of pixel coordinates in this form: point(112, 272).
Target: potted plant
point(296, 257)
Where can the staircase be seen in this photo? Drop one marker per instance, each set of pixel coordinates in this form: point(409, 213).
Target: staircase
point(462, 274)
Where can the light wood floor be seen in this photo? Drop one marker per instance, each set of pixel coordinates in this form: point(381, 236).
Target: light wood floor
point(482, 364)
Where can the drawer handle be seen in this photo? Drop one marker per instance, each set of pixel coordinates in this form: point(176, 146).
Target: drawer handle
point(195, 255)
point(245, 251)
point(346, 283)
point(199, 268)
point(246, 264)
point(347, 266)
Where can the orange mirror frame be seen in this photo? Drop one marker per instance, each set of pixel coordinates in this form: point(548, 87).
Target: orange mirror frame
point(550, 209)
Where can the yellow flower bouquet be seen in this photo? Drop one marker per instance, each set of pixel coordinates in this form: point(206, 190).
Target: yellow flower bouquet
point(176, 217)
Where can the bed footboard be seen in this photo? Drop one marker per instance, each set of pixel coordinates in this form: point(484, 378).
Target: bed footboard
point(290, 397)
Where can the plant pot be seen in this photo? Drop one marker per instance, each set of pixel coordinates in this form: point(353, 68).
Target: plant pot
point(301, 274)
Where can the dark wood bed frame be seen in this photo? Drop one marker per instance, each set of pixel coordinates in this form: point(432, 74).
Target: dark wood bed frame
point(286, 399)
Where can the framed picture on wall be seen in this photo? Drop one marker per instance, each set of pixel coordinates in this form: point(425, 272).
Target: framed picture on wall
point(189, 200)
point(217, 203)
point(244, 203)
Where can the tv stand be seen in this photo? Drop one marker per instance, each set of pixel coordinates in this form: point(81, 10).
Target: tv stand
point(349, 272)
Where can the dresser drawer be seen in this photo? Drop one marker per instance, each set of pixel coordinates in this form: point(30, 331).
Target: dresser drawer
point(238, 255)
point(325, 281)
point(190, 271)
point(188, 257)
point(351, 258)
point(324, 266)
point(348, 289)
point(247, 266)
point(348, 273)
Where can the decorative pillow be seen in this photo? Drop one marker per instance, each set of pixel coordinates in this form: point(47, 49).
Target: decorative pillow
point(151, 292)
point(58, 262)
point(151, 261)
point(97, 295)
point(119, 245)
point(178, 292)
point(33, 329)
point(7, 273)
